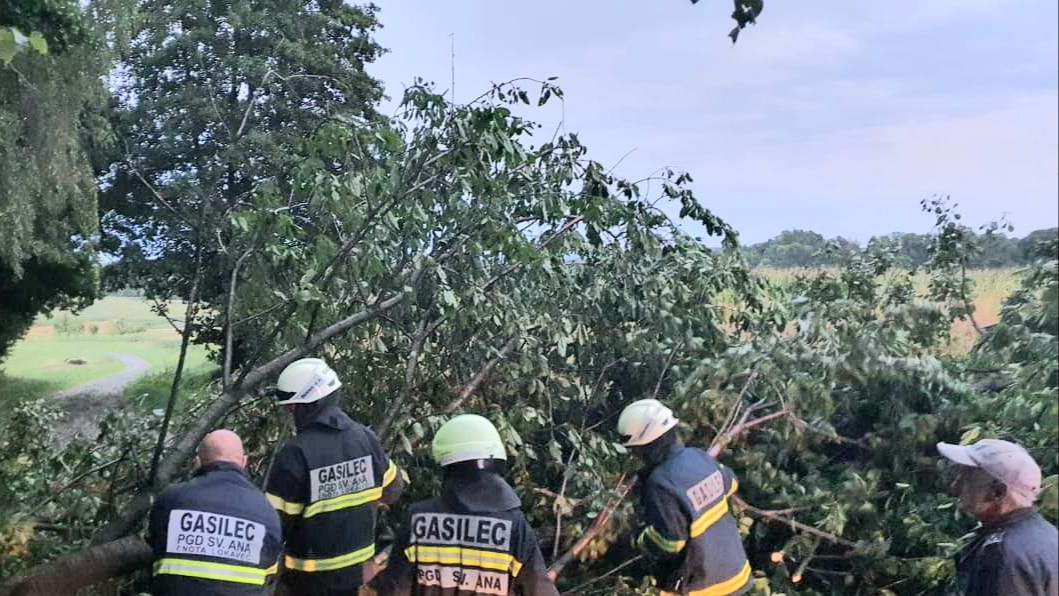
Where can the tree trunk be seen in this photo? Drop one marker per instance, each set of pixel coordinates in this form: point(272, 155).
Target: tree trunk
point(68, 574)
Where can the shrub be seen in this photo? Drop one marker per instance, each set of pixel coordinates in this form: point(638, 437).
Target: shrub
point(67, 325)
point(124, 327)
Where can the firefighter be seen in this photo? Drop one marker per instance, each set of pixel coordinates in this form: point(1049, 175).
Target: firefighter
point(326, 483)
point(473, 539)
point(688, 534)
point(215, 535)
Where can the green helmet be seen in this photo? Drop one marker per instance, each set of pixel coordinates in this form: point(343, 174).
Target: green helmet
point(467, 437)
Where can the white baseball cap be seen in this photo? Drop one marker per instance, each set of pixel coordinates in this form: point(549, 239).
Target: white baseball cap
point(1005, 461)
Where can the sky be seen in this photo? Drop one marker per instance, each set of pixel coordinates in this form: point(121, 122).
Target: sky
point(833, 116)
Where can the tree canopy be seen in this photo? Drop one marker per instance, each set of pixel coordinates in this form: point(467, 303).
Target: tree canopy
point(51, 103)
point(992, 248)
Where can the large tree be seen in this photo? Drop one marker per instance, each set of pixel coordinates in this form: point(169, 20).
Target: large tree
point(215, 99)
point(51, 100)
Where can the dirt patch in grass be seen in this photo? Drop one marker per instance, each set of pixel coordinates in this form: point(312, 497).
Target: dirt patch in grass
point(40, 331)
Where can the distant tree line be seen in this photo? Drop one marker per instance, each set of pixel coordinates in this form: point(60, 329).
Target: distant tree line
point(801, 248)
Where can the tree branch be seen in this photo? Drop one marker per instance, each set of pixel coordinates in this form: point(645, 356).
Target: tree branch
point(665, 368)
point(622, 489)
point(425, 330)
point(800, 572)
point(783, 518)
point(584, 585)
point(557, 505)
point(722, 441)
point(250, 105)
point(228, 330)
point(566, 227)
point(967, 301)
point(158, 197)
point(185, 340)
point(56, 493)
point(162, 309)
point(475, 382)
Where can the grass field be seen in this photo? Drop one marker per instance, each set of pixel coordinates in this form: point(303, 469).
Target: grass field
point(64, 350)
point(991, 287)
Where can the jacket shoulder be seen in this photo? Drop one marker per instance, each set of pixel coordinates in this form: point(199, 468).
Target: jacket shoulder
point(431, 505)
point(1029, 537)
point(174, 493)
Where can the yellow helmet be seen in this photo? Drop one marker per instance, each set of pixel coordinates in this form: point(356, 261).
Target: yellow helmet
point(467, 437)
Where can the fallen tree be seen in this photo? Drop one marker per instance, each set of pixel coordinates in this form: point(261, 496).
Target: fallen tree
point(462, 261)
point(528, 284)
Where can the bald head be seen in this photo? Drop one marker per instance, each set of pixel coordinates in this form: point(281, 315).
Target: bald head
point(221, 446)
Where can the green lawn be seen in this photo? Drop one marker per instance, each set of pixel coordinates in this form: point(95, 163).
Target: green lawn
point(40, 362)
point(22, 390)
point(153, 389)
point(44, 358)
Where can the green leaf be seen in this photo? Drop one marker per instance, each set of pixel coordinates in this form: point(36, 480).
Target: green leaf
point(1049, 498)
point(37, 42)
point(971, 435)
point(8, 46)
point(556, 451)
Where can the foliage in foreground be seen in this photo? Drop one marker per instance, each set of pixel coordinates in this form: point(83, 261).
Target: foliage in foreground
point(523, 281)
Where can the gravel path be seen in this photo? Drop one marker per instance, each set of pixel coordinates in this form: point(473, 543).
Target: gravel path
point(85, 406)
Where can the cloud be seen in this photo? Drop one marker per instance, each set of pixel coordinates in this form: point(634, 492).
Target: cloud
point(1003, 161)
point(836, 115)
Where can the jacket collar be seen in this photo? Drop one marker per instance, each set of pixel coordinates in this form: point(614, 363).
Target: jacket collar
point(655, 455)
point(222, 466)
point(485, 492)
point(329, 417)
point(1011, 518)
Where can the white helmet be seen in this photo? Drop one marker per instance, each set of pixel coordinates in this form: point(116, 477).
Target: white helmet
point(306, 381)
point(644, 421)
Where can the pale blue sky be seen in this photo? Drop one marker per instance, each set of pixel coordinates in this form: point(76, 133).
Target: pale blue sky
point(835, 116)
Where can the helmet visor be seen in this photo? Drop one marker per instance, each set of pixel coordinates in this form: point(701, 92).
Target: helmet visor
point(280, 395)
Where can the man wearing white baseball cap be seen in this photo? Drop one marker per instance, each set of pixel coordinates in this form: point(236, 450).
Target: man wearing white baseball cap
point(1015, 551)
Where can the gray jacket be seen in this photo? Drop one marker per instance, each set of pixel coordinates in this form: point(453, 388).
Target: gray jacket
point(1017, 557)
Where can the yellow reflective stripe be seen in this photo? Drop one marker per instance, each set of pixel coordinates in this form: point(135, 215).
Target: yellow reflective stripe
point(669, 546)
point(239, 574)
point(343, 502)
point(727, 586)
point(288, 507)
point(733, 488)
point(709, 517)
point(458, 555)
point(516, 567)
point(272, 570)
point(340, 562)
point(390, 475)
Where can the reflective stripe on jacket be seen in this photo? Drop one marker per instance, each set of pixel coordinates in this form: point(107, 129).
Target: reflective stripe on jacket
point(689, 533)
point(215, 535)
point(326, 482)
point(473, 539)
